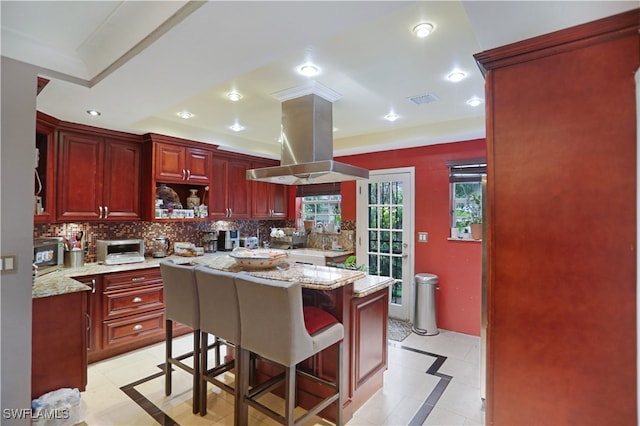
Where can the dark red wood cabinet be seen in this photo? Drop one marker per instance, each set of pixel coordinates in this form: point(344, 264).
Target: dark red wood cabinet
point(59, 343)
point(269, 200)
point(182, 164)
point(98, 177)
point(232, 192)
point(45, 168)
point(561, 164)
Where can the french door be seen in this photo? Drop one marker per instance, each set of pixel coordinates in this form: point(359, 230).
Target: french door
point(384, 233)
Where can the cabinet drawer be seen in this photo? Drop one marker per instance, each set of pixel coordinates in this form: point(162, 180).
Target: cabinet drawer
point(121, 303)
point(130, 329)
point(137, 278)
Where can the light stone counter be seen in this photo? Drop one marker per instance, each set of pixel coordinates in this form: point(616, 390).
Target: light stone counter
point(310, 276)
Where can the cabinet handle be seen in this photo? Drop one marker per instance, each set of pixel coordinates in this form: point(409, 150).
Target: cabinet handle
point(188, 174)
point(184, 174)
point(137, 327)
point(93, 286)
point(100, 208)
point(88, 330)
point(137, 300)
point(137, 279)
point(106, 212)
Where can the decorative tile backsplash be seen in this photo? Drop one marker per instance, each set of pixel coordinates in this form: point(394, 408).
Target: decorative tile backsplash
point(177, 231)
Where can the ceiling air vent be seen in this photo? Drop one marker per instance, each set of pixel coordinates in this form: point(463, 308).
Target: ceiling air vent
point(427, 98)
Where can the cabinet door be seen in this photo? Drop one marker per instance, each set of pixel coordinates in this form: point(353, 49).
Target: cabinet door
point(94, 313)
point(170, 163)
point(45, 170)
point(218, 190)
point(198, 165)
point(59, 359)
point(279, 195)
point(80, 176)
point(122, 198)
point(239, 189)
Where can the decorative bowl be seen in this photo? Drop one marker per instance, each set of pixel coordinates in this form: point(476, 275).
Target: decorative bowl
point(258, 258)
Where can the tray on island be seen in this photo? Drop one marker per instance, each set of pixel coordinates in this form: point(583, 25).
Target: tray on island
point(258, 258)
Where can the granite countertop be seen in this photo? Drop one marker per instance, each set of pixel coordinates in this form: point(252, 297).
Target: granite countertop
point(311, 276)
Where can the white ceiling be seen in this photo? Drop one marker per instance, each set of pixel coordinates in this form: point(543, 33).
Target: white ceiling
point(141, 62)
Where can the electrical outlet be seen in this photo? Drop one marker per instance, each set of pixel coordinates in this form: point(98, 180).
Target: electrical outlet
point(423, 237)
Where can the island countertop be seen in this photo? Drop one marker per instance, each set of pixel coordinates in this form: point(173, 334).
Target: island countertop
point(310, 276)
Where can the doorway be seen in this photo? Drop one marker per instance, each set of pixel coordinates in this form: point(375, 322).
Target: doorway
point(384, 236)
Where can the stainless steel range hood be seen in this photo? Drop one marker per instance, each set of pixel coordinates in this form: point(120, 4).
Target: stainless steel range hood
point(307, 146)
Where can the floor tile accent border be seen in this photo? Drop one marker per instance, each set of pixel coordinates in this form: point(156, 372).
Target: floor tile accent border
point(148, 406)
point(431, 401)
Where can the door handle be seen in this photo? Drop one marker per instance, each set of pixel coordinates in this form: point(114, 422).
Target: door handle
point(188, 174)
point(100, 209)
point(93, 286)
point(106, 212)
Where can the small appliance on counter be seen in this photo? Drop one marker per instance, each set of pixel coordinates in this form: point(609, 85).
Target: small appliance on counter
point(228, 239)
point(116, 252)
point(210, 241)
point(160, 247)
point(48, 254)
point(251, 243)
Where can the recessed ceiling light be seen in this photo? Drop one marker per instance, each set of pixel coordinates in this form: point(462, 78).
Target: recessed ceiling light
point(308, 69)
point(237, 127)
point(423, 29)
point(456, 76)
point(474, 102)
point(93, 112)
point(234, 96)
point(391, 117)
point(185, 114)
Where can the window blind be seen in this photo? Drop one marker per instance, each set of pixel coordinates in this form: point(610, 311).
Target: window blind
point(316, 189)
point(467, 170)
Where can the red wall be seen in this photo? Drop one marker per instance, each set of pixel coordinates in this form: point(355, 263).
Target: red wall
point(458, 264)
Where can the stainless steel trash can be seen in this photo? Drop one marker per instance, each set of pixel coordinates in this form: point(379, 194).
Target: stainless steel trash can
point(424, 320)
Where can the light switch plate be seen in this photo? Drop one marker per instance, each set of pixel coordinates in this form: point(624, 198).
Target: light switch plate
point(8, 263)
point(423, 237)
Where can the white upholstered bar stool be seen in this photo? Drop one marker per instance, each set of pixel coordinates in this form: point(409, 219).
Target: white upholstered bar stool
point(181, 305)
point(220, 317)
point(273, 327)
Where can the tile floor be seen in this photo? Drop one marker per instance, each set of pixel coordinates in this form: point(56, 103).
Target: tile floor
point(431, 380)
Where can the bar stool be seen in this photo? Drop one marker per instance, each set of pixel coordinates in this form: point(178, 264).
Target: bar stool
point(181, 305)
point(219, 316)
point(272, 322)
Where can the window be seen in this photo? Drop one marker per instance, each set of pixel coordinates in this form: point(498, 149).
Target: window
point(466, 195)
point(320, 203)
point(323, 209)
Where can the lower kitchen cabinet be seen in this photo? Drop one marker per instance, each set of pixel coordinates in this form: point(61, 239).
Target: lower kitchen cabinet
point(126, 311)
point(59, 343)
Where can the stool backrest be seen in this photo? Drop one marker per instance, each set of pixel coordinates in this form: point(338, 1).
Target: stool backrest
point(272, 319)
point(219, 314)
point(180, 294)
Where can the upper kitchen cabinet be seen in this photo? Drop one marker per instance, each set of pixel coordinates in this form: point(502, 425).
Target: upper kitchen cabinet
point(269, 200)
point(45, 171)
point(181, 164)
point(99, 174)
point(231, 192)
point(176, 171)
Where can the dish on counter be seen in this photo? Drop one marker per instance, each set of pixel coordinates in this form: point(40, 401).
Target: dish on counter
point(258, 258)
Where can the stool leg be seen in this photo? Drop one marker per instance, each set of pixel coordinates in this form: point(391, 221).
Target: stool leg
point(290, 395)
point(196, 371)
point(168, 338)
point(204, 353)
point(339, 402)
point(242, 386)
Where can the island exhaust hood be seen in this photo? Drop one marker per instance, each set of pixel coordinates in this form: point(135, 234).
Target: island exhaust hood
point(307, 146)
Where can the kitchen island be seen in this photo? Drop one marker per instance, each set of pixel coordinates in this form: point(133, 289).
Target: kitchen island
point(357, 300)
point(360, 302)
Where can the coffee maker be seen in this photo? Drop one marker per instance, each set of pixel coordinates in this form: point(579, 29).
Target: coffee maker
point(228, 239)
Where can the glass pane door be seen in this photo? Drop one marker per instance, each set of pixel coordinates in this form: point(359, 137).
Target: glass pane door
point(384, 234)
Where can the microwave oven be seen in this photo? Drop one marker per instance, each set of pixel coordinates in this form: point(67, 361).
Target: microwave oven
point(117, 252)
point(48, 254)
